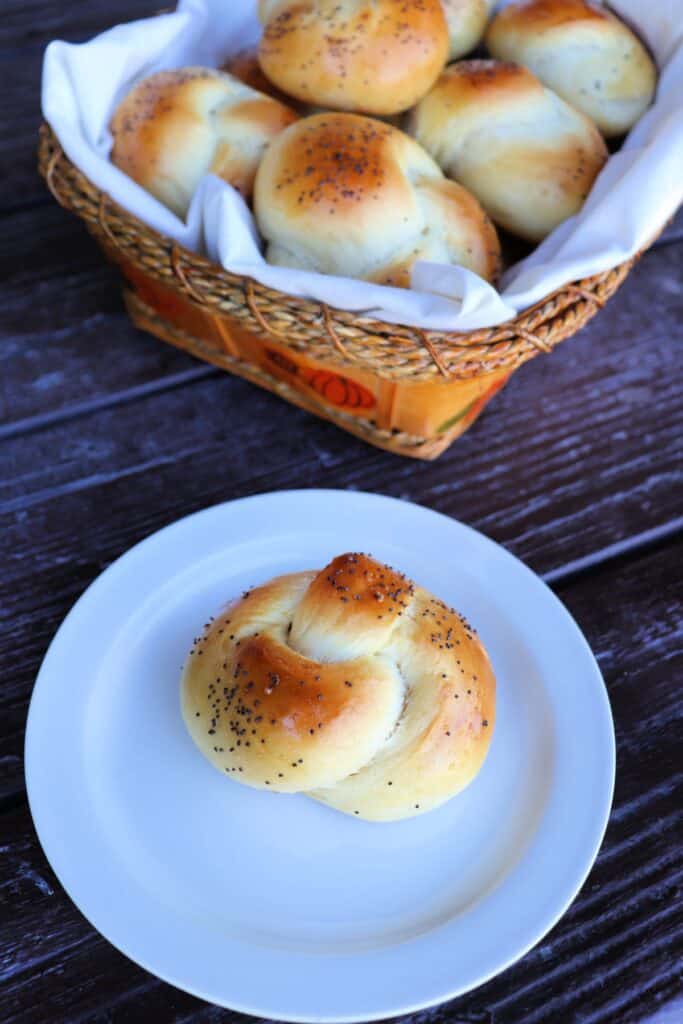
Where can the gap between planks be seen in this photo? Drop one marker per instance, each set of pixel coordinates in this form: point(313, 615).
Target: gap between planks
point(31, 424)
point(637, 544)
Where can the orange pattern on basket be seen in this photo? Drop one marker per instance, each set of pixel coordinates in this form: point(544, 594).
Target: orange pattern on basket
point(333, 387)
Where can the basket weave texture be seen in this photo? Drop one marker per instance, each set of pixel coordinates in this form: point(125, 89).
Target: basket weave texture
point(332, 336)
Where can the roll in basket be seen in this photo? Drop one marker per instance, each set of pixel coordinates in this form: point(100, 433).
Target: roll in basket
point(407, 390)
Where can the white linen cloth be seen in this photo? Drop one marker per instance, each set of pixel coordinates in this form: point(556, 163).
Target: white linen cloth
point(640, 187)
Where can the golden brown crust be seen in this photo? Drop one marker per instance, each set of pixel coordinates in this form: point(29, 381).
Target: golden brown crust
point(488, 81)
point(581, 51)
point(528, 156)
point(353, 597)
point(549, 13)
point(464, 235)
point(176, 126)
point(352, 685)
point(333, 162)
point(443, 735)
point(376, 57)
point(345, 194)
point(245, 66)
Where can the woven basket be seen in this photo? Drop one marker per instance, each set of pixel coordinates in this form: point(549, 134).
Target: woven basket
point(408, 390)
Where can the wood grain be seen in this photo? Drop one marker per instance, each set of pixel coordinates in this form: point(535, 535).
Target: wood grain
point(594, 413)
point(29, 22)
point(106, 435)
point(67, 344)
point(609, 959)
point(582, 450)
point(58, 286)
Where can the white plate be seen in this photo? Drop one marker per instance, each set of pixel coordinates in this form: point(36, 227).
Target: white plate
point(276, 905)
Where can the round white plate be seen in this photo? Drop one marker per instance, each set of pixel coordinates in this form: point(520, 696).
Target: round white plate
point(276, 905)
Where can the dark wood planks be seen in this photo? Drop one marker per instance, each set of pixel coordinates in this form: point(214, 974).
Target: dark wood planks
point(20, 72)
point(66, 338)
point(609, 959)
point(592, 413)
point(579, 457)
point(67, 343)
point(673, 232)
point(25, 30)
point(581, 451)
point(27, 22)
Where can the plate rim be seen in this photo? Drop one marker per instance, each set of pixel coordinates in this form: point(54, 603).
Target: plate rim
point(600, 821)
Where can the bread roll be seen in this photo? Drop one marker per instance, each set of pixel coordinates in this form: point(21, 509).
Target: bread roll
point(245, 66)
point(374, 56)
point(528, 156)
point(466, 20)
point(176, 126)
point(352, 685)
point(344, 194)
point(584, 53)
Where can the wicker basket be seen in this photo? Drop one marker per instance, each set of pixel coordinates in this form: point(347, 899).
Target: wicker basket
point(408, 390)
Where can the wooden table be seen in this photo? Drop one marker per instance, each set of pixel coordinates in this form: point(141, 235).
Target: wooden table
point(107, 435)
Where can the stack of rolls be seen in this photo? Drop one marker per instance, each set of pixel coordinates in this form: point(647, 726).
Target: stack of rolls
point(348, 195)
point(364, 144)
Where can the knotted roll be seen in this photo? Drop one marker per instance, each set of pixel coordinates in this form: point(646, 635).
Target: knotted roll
point(374, 56)
point(344, 194)
point(176, 126)
point(352, 685)
point(528, 156)
point(583, 52)
point(466, 20)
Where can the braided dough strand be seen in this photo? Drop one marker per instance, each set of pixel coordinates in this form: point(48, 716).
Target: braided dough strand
point(352, 685)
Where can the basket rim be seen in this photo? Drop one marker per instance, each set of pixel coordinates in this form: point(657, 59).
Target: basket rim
point(441, 353)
